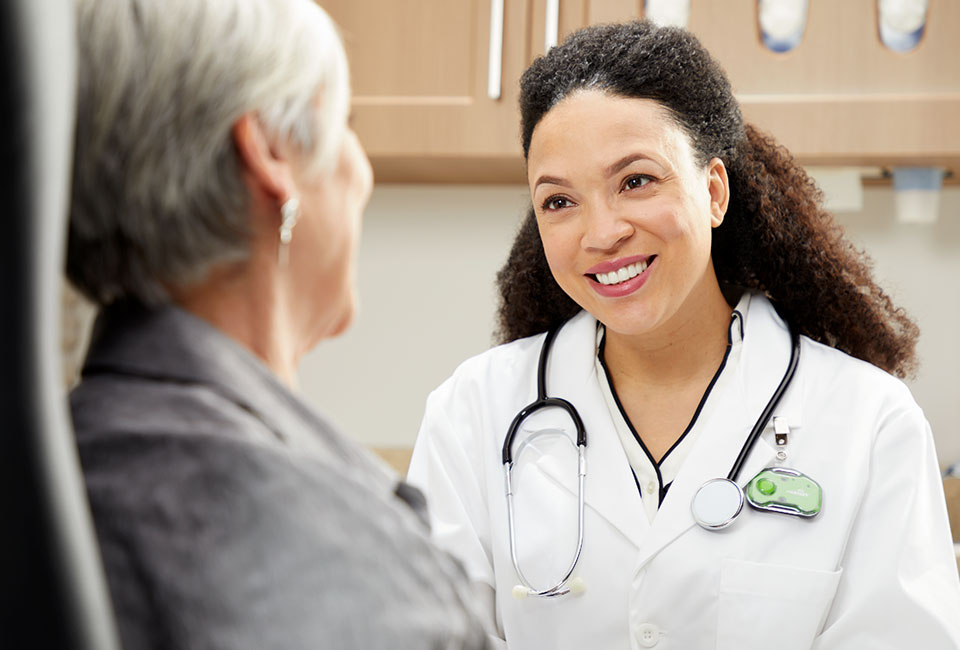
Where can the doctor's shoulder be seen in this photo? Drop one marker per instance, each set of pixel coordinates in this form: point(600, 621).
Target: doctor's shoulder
point(503, 372)
point(840, 386)
point(468, 414)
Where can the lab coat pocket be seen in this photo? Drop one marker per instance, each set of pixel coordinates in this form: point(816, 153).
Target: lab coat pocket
point(768, 605)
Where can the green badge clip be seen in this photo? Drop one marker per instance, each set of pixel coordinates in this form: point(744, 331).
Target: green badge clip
point(787, 491)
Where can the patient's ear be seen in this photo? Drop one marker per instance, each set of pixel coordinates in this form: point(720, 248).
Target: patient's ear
point(264, 165)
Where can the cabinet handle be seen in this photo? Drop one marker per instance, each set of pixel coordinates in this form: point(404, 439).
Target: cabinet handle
point(496, 49)
point(551, 28)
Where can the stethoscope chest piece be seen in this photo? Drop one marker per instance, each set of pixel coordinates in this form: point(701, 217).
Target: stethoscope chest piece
point(717, 503)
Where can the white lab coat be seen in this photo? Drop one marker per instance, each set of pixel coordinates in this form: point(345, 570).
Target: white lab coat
point(874, 570)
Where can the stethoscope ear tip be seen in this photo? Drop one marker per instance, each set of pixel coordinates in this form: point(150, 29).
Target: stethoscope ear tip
point(520, 592)
point(577, 586)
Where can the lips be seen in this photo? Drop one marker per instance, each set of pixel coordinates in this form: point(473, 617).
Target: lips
point(620, 277)
point(616, 265)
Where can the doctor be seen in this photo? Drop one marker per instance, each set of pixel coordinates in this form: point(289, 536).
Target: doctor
point(674, 248)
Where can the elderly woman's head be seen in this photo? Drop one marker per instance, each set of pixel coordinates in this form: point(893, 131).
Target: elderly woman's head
point(198, 120)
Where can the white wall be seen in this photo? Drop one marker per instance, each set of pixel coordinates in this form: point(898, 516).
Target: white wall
point(427, 265)
point(426, 282)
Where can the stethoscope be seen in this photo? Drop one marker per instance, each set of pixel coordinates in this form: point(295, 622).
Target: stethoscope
point(715, 506)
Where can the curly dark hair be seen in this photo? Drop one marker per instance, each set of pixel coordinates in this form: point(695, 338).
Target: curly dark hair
point(776, 237)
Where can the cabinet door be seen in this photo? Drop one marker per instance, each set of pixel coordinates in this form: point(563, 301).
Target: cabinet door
point(420, 73)
point(842, 97)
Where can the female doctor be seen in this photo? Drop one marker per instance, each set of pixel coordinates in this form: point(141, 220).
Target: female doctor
point(675, 250)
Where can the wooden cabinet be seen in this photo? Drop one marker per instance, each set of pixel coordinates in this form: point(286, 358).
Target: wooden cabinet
point(842, 97)
point(420, 74)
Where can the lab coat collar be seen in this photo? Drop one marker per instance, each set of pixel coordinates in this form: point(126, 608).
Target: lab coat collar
point(758, 361)
point(729, 415)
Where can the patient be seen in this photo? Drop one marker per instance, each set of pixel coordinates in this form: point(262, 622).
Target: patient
point(216, 208)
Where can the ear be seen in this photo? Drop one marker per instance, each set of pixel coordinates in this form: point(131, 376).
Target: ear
point(719, 187)
point(265, 166)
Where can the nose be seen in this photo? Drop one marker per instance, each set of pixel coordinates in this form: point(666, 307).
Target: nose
point(605, 228)
point(362, 170)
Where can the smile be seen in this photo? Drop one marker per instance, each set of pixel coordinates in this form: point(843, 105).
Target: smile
point(621, 277)
point(622, 270)
point(623, 274)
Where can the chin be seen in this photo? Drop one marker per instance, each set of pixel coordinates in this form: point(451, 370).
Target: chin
point(330, 323)
point(341, 326)
point(347, 314)
point(629, 322)
point(626, 327)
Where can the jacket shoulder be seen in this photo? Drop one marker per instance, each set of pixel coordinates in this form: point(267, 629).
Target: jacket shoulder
point(107, 405)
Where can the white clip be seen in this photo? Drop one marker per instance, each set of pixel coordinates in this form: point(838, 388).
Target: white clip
point(781, 432)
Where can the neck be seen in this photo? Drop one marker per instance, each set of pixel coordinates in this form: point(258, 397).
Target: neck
point(251, 307)
point(687, 348)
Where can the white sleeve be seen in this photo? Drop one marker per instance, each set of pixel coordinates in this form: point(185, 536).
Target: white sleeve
point(446, 466)
point(900, 587)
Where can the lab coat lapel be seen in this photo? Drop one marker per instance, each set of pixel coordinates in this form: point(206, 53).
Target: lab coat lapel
point(754, 369)
point(610, 488)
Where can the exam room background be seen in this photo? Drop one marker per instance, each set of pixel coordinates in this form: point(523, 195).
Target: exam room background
point(428, 257)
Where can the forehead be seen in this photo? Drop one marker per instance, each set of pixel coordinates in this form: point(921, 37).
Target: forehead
point(592, 128)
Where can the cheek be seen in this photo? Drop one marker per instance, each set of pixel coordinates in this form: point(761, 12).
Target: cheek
point(341, 214)
point(560, 244)
point(559, 262)
point(685, 223)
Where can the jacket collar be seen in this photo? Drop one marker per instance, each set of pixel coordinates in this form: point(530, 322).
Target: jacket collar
point(754, 369)
point(168, 344)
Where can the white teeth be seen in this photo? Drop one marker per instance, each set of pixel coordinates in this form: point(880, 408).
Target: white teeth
point(623, 274)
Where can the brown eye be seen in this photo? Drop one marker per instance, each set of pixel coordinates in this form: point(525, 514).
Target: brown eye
point(556, 203)
point(636, 181)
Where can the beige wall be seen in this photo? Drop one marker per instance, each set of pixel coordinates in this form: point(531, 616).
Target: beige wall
point(427, 263)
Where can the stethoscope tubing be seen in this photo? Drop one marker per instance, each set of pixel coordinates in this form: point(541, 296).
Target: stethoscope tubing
point(771, 405)
point(542, 402)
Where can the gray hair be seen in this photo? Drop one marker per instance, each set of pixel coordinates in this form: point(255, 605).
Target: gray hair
point(158, 193)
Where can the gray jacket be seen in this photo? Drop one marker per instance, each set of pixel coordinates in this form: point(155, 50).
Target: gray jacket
point(231, 515)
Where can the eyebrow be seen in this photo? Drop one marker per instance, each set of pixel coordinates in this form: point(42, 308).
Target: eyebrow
point(621, 164)
point(625, 162)
point(553, 180)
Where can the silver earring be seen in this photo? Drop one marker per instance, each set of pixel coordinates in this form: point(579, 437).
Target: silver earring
point(289, 215)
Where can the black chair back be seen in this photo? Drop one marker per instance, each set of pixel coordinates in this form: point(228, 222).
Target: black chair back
point(52, 589)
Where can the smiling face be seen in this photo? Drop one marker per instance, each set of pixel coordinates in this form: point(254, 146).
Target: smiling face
point(625, 211)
